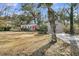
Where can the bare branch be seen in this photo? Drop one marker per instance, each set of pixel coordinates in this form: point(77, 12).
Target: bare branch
point(67, 10)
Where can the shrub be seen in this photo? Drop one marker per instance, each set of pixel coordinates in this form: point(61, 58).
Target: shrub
point(66, 29)
point(1, 29)
point(76, 29)
point(5, 28)
point(15, 29)
point(42, 29)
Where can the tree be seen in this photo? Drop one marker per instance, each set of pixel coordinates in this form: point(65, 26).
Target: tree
point(62, 15)
point(71, 19)
point(72, 6)
point(25, 18)
point(51, 18)
point(39, 21)
point(29, 8)
point(15, 21)
point(70, 12)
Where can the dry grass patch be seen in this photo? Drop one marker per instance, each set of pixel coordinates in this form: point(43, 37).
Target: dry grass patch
point(59, 49)
point(21, 43)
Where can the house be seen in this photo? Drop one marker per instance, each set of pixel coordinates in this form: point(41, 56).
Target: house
point(29, 27)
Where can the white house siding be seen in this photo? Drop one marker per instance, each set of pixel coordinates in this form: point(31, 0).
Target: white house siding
point(28, 26)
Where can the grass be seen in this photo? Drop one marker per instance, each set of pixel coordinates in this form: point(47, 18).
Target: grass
point(62, 49)
point(59, 49)
point(21, 43)
point(27, 43)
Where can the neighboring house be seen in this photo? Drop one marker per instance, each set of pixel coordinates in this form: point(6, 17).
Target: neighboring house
point(31, 26)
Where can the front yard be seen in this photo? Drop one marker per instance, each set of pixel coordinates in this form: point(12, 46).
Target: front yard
point(31, 43)
point(21, 43)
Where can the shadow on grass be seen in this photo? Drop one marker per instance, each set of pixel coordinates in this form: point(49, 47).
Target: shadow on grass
point(41, 51)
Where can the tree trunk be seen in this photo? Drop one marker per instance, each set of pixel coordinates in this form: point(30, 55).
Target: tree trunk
point(64, 22)
point(51, 17)
point(71, 21)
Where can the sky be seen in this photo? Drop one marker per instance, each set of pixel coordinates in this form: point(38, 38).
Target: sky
point(56, 7)
point(15, 7)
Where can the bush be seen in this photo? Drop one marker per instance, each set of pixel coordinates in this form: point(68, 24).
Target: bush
point(76, 30)
point(15, 29)
point(42, 29)
point(66, 29)
point(1, 29)
point(5, 28)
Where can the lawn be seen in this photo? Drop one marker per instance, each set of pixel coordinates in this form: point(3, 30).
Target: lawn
point(21, 43)
point(31, 43)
